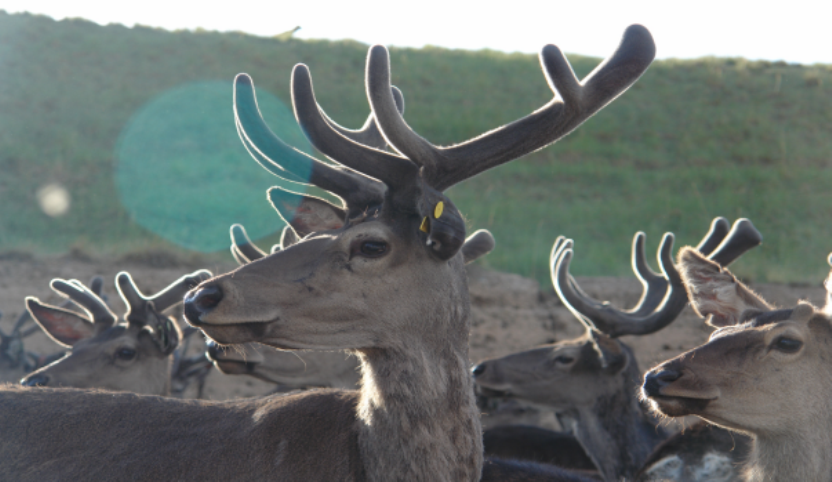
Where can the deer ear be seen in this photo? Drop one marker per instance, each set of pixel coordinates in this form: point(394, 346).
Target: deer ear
point(306, 214)
point(714, 292)
point(288, 238)
point(477, 245)
point(65, 327)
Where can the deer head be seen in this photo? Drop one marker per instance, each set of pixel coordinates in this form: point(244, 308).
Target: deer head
point(309, 369)
point(133, 355)
point(764, 372)
point(760, 364)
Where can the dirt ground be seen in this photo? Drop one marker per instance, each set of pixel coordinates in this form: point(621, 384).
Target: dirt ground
point(510, 312)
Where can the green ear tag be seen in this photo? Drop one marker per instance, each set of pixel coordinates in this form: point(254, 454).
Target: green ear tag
point(425, 227)
point(437, 211)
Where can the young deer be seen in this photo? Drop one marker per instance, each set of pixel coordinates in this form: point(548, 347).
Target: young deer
point(763, 373)
point(591, 381)
point(383, 277)
point(12, 352)
point(134, 355)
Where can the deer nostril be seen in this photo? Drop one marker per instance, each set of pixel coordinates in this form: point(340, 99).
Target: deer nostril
point(478, 370)
point(35, 381)
point(655, 381)
point(668, 376)
point(208, 298)
point(203, 301)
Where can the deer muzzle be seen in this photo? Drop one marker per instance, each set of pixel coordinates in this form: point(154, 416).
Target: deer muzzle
point(200, 302)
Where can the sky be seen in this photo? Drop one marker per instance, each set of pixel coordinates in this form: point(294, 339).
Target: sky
point(796, 31)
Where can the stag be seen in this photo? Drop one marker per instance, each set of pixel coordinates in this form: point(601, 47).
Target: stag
point(763, 372)
point(135, 354)
point(382, 276)
point(591, 381)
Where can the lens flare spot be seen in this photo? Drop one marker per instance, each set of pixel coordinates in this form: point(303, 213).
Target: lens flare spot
point(54, 200)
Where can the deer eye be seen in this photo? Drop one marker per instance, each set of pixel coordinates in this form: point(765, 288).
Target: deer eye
point(787, 345)
point(125, 354)
point(564, 360)
point(370, 248)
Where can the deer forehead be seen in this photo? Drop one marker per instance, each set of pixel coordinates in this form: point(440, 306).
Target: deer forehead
point(115, 335)
point(770, 324)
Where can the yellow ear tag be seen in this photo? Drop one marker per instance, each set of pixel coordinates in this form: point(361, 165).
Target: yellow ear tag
point(437, 211)
point(425, 227)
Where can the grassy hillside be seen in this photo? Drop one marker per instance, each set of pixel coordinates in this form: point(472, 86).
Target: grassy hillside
point(690, 141)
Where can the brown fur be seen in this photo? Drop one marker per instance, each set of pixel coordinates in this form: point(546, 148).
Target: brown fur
point(747, 379)
point(108, 436)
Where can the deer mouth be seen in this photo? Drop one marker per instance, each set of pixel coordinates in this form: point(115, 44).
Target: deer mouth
point(491, 392)
point(235, 367)
point(233, 334)
point(676, 406)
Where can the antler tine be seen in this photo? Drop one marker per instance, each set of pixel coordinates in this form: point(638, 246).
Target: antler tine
point(574, 103)
point(654, 285)
point(611, 321)
point(392, 124)
point(395, 171)
point(98, 310)
point(291, 164)
point(719, 229)
point(742, 237)
point(369, 134)
point(175, 292)
point(243, 250)
point(562, 281)
point(97, 286)
point(134, 299)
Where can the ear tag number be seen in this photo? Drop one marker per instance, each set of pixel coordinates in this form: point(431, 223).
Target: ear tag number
point(437, 211)
point(425, 227)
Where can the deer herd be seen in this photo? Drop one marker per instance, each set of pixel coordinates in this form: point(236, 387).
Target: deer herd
point(372, 287)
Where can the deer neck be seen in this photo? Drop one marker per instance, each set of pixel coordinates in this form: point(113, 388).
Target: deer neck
point(794, 456)
point(417, 414)
point(616, 432)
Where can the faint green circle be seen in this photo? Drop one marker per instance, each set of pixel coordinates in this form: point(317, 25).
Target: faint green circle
point(183, 173)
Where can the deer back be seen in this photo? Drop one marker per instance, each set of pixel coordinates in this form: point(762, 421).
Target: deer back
point(189, 439)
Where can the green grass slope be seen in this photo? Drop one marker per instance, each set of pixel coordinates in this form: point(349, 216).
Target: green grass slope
point(690, 141)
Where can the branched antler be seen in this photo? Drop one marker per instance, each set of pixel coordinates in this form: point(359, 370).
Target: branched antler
point(417, 172)
point(663, 297)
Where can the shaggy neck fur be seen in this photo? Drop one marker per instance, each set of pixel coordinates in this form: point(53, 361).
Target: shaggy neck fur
point(796, 456)
point(617, 433)
point(418, 418)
